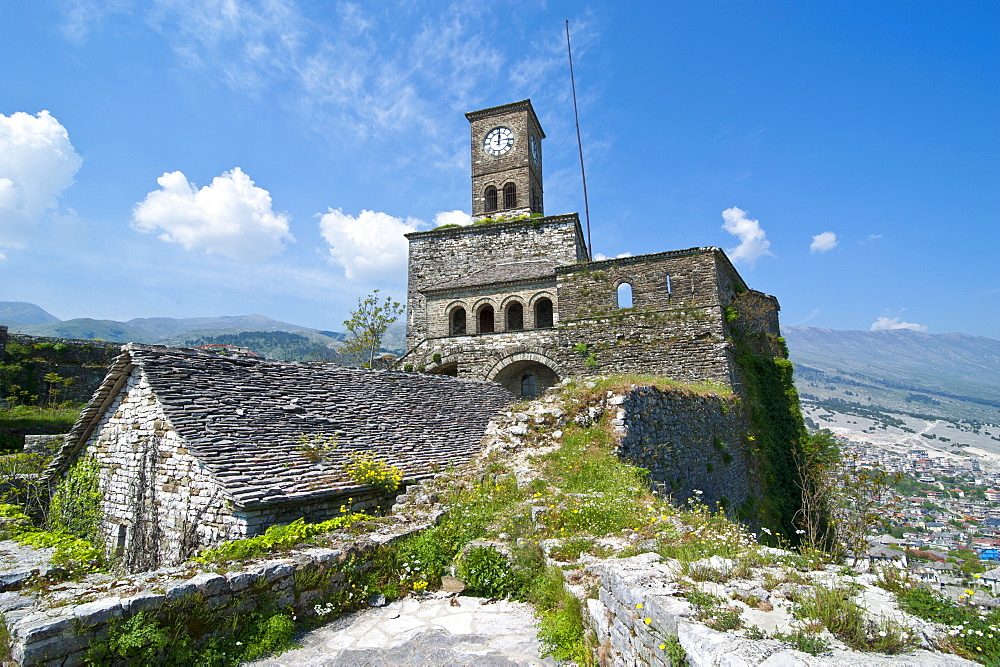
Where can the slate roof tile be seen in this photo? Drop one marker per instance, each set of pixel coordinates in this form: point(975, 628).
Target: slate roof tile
point(242, 418)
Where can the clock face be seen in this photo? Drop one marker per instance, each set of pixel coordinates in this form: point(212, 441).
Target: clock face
point(498, 141)
point(536, 153)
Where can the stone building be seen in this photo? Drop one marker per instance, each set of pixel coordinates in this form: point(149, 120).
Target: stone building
point(517, 298)
point(195, 448)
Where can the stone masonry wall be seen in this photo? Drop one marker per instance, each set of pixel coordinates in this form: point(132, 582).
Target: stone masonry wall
point(440, 255)
point(59, 626)
point(692, 444)
point(638, 611)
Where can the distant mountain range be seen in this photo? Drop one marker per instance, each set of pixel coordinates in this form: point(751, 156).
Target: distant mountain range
point(951, 375)
point(27, 318)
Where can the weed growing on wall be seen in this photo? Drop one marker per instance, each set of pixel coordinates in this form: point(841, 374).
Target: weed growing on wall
point(275, 538)
point(76, 504)
point(366, 468)
point(179, 635)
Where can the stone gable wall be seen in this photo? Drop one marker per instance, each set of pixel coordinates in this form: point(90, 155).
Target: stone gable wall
point(158, 494)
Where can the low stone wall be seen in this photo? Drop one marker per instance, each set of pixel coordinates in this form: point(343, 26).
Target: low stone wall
point(689, 443)
point(58, 627)
point(639, 613)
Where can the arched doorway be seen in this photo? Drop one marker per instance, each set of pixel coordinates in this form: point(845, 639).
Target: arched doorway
point(526, 378)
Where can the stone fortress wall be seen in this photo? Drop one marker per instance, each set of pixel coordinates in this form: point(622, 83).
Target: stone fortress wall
point(684, 305)
point(86, 361)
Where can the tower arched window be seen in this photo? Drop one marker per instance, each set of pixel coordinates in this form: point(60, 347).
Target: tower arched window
point(510, 196)
point(486, 319)
point(536, 201)
point(543, 314)
point(625, 295)
point(458, 322)
point(491, 198)
point(515, 316)
point(528, 385)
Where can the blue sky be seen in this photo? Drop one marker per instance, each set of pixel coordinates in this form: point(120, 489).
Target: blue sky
point(225, 158)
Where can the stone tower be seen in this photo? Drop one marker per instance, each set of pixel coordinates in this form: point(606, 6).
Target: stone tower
point(518, 300)
point(506, 161)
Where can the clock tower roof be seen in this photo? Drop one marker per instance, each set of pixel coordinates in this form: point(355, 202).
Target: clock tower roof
point(523, 105)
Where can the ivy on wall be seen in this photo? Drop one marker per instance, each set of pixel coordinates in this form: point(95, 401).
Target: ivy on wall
point(772, 404)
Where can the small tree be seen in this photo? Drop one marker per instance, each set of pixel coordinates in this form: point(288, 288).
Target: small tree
point(367, 326)
point(843, 503)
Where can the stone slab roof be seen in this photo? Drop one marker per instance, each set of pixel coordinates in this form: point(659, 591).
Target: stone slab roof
point(242, 418)
point(512, 272)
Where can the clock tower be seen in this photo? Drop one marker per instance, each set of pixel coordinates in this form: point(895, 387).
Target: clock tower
point(506, 161)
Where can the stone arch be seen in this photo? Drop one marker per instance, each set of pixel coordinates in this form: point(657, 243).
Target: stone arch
point(457, 314)
point(485, 317)
point(513, 313)
point(510, 195)
point(544, 294)
point(543, 311)
point(631, 292)
point(510, 371)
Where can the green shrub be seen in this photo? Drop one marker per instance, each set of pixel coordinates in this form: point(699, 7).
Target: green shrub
point(489, 573)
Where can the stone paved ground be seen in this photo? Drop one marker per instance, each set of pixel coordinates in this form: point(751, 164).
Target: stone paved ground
point(423, 632)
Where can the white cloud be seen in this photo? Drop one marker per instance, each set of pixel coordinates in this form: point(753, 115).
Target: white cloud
point(37, 162)
point(874, 237)
point(823, 242)
point(812, 315)
point(81, 16)
point(231, 217)
point(2, 257)
point(456, 217)
point(370, 246)
point(601, 256)
point(753, 242)
point(891, 323)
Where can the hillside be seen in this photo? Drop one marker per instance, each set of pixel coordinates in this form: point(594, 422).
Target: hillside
point(943, 375)
point(259, 333)
point(21, 312)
